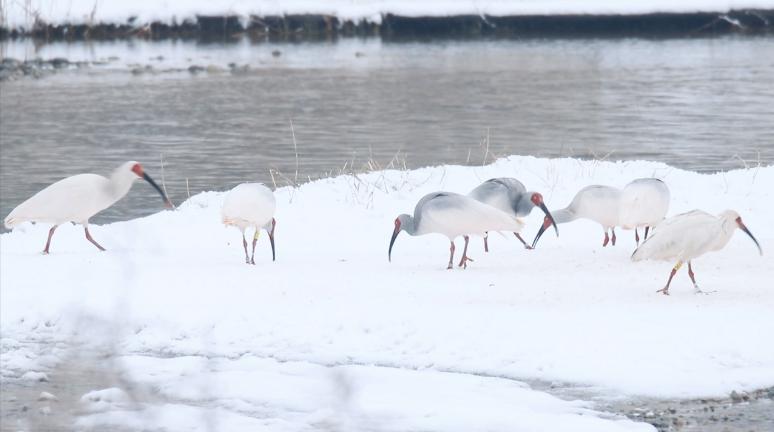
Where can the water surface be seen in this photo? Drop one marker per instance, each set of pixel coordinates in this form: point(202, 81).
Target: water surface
point(699, 104)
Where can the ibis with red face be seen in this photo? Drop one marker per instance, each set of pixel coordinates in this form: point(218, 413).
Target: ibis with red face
point(78, 198)
point(510, 196)
point(688, 236)
point(453, 215)
point(598, 203)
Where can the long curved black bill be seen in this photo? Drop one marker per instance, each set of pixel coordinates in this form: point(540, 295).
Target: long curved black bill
point(271, 239)
point(746, 231)
point(392, 241)
point(548, 215)
point(148, 179)
point(540, 233)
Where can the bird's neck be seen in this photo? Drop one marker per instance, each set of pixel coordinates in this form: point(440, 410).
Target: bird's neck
point(727, 228)
point(564, 215)
point(120, 183)
point(409, 225)
point(523, 206)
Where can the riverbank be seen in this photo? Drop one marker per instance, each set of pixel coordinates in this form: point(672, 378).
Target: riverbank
point(394, 27)
point(332, 334)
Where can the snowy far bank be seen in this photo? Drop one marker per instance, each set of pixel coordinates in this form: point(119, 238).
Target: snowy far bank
point(419, 346)
point(23, 14)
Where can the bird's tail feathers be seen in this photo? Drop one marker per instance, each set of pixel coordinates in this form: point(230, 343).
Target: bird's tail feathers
point(11, 222)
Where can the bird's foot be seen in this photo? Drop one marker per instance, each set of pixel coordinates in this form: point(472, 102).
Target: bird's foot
point(528, 247)
point(664, 291)
point(696, 290)
point(252, 261)
point(45, 252)
point(464, 261)
point(450, 267)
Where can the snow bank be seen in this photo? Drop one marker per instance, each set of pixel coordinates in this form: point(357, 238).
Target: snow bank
point(22, 13)
point(173, 291)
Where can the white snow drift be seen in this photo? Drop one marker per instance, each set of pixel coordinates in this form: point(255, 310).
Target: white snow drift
point(331, 333)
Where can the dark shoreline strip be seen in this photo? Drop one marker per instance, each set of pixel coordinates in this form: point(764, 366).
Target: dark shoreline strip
point(395, 27)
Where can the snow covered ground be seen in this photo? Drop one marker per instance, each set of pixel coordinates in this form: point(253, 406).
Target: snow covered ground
point(23, 13)
point(333, 337)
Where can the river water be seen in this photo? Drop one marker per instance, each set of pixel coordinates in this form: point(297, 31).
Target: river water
point(704, 104)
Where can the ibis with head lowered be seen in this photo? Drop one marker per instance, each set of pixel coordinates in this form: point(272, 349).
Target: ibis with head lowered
point(251, 205)
point(597, 203)
point(510, 196)
point(453, 215)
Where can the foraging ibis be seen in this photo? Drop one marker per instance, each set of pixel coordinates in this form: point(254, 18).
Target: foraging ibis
point(251, 205)
point(78, 198)
point(597, 203)
point(688, 236)
point(453, 215)
point(510, 196)
point(644, 203)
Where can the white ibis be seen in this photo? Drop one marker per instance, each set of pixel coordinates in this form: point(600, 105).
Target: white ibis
point(644, 203)
point(510, 196)
point(453, 215)
point(597, 203)
point(688, 236)
point(78, 198)
point(251, 205)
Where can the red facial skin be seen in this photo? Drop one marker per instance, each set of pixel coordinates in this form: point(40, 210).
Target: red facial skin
point(537, 199)
point(137, 169)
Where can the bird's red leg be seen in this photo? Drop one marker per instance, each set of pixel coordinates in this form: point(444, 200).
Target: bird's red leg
point(48, 242)
point(607, 239)
point(518, 236)
point(451, 257)
point(612, 239)
point(486, 243)
point(693, 279)
point(244, 244)
point(646, 232)
point(637, 236)
point(665, 290)
point(465, 259)
point(88, 237)
point(255, 240)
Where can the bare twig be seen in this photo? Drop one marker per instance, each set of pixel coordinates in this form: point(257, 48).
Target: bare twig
point(163, 181)
point(295, 149)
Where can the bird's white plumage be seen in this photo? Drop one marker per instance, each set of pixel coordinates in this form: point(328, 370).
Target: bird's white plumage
point(598, 203)
point(687, 236)
point(644, 202)
point(249, 205)
point(453, 215)
point(74, 199)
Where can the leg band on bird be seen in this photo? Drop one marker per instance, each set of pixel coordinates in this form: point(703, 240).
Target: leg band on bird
point(665, 290)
